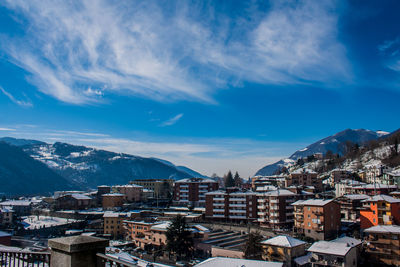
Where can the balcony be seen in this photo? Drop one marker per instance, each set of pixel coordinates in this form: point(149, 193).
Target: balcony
point(237, 217)
point(237, 211)
point(261, 213)
point(219, 210)
point(274, 201)
point(219, 198)
point(318, 212)
point(237, 199)
point(15, 257)
point(218, 204)
point(274, 207)
point(261, 207)
point(183, 191)
point(219, 215)
point(260, 200)
point(237, 205)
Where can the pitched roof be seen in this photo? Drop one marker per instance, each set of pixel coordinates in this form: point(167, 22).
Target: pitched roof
point(80, 196)
point(333, 248)
point(385, 198)
point(312, 202)
point(283, 241)
point(348, 240)
point(221, 261)
point(394, 229)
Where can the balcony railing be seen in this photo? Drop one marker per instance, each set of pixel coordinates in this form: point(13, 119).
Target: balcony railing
point(16, 257)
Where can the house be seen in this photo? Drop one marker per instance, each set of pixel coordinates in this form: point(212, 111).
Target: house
point(336, 253)
point(192, 191)
point(162, 188)
point(383, 244)
point(113, 200)
point(275, 210)
point(283, 249)
point(20, 207)
point(380, 209)
point(317, 218)
point(73, 202)
point(131, 192)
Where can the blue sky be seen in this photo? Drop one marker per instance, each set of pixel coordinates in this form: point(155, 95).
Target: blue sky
point(213, 85)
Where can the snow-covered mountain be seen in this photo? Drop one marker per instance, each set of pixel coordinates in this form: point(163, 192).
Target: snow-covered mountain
point(89, 167)
point(335, 143)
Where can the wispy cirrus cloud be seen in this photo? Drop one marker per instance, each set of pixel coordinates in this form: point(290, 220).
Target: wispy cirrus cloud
point(7, 129)
point(79, 51)
point(172, 120)
point(390, 51)
point(16, 101)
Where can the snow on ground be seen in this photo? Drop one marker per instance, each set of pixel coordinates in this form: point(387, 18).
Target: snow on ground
point(35, 222)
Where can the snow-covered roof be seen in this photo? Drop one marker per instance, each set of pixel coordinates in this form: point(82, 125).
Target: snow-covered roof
point(232, 262)
point(393, 229)
point(3, 234)
point(113, 195)
point(16, 203)
point(385, 198)
point(161, 226)
point(218, 192)
point(242, 193)
point(331, 248)
point(356, 196)
point(266, 188)
point(126, 257)
point(128, 185)
point(303, 170)
point(283, 241)
point(279, 192)
point(377, 186)
point(196, 180)
point(201, 228)
point(348, 240)
point(303, 259)
point(312, 202)
point(111, 214)
point(80, 197)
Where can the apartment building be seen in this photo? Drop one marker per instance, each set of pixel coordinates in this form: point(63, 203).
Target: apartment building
point(6, 216)
point(383, 245)
point(338, 175)
point(373, 189)
point(346, 187)
point(162, 188)
point(20, 207)
point(231, 206)
point(350, 207)
point(143, 233)
point(262, 181)
point(341, 252)
point(113, 200)
point(304, 177)
point(283, 249)
point(317, 218)
point(192, 191)
point(113, 224)
point(380, 209)
point(275, 210)
point(131, 192)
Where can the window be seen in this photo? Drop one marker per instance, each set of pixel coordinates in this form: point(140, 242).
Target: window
point(309, 224)
point(308, 208)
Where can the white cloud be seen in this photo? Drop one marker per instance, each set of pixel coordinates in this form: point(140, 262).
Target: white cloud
point(181, 52)
point(172, 120)
point(16, 101)
point(6, 129)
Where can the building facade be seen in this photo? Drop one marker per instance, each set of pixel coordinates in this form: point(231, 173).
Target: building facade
point(192, 191)
point(380, 210)
point(275, 210)
point(231, 206)
point(317, 218)
point(304, 177)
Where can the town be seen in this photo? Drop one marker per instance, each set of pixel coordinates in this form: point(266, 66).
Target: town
point(279, 220)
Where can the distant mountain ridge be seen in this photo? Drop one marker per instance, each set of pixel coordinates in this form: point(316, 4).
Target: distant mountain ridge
point(86, 167)
point(335, 143)
point(20, 174)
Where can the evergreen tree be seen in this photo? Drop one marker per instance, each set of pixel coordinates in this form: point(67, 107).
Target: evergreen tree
point(253, 249)
point(229, 181)
point(238, 180)
point(179, 240)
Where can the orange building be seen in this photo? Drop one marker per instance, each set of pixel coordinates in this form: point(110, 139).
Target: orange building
point(380, 210)
point(317, 218)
